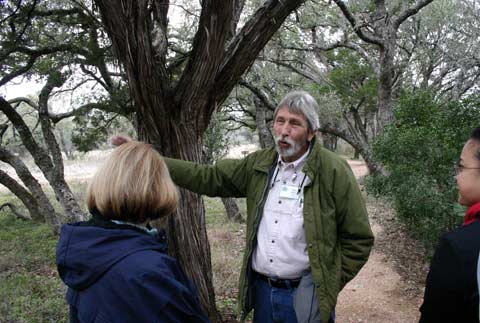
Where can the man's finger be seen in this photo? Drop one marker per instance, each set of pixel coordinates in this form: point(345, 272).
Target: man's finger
point(120, 140)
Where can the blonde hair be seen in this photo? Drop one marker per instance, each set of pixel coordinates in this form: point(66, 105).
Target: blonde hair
point(133, 185)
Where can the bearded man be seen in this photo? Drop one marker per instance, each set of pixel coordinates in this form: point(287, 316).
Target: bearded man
point(307, 232)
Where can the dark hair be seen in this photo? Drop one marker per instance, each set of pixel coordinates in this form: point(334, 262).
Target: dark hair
point(476, 136)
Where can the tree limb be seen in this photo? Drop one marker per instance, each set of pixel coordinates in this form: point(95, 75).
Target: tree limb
point(252, 38)
point(365, 36)
point(259, 93)
point(33, 56)
point(38, 153)
point(208, 52)
point(410, 12)
point(55, 79)
point(45, 208)
point(15, 211)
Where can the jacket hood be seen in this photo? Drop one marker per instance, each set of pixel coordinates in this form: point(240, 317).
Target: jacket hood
point(87, 250)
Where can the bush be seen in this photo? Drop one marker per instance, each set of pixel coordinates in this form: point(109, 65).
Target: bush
point(419, 151)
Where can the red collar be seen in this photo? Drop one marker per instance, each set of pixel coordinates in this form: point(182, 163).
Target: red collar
point(473, 214)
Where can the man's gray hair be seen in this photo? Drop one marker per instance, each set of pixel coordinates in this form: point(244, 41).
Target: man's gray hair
point(301, 102)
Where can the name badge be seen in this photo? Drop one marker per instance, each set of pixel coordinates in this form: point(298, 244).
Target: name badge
point(289, 192)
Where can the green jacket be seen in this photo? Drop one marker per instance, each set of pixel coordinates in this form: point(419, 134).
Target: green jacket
point(336, 223)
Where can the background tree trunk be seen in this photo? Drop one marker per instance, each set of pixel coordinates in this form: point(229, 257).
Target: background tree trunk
point(231, 207)
point(329, 141)
point(264, 135)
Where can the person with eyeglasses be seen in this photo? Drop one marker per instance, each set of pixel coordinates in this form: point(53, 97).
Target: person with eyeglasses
point(451, 292)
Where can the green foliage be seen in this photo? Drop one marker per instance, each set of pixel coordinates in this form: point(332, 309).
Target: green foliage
point(419, 151)
point(352, 80)
point(215, 139)
point(96, 127)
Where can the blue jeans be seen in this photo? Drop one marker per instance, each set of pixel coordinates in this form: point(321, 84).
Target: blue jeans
point(275, 305)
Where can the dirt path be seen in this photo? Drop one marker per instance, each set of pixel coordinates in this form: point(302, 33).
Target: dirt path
point(382, 292)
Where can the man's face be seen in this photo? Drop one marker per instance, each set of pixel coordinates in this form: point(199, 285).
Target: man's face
point(292, 134)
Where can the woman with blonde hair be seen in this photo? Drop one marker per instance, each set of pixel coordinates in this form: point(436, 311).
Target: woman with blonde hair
point(115, 265)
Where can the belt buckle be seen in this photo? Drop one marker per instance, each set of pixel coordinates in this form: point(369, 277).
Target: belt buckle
point(273, 282)
point(281, 283)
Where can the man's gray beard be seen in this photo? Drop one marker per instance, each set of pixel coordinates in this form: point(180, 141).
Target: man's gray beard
point(290, 152)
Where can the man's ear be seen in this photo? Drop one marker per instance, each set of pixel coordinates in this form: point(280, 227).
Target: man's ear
point(311, 134)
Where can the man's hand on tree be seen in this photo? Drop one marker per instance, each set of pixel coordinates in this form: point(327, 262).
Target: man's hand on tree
point(120, 140)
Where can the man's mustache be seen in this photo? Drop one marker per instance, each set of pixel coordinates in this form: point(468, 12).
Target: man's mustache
point(284, 138)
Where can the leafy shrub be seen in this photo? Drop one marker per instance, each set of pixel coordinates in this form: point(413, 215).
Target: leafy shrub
point(419, 151)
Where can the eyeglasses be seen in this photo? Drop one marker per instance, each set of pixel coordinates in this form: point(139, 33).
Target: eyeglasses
point(459, 168)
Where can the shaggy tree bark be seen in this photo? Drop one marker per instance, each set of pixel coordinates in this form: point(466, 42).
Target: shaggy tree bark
point(175, 113)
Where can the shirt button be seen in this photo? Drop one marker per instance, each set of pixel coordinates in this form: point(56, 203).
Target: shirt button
point(271, 260)
point(273, 241)
point(276, 221)
point(279, 202)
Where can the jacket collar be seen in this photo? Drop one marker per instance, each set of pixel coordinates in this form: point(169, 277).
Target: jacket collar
point(310, 168)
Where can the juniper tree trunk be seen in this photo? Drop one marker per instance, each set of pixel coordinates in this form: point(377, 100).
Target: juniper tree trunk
point(174, 102)
point(186, 229)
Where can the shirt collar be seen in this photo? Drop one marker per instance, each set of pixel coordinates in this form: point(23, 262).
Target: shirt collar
point(297, 164)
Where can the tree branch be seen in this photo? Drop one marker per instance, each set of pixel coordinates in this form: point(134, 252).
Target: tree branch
point(55, 79)
point(246, 45)
point(238, 8)
point(79, 111)
point(30, 182)
point(410, 12)
point(33, 54)
point(259, 93)
point(208, 52)
point(38, 153)
point(15, 211)
point(358, 29)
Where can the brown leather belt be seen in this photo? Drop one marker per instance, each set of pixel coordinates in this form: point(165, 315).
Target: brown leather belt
point(280, 283)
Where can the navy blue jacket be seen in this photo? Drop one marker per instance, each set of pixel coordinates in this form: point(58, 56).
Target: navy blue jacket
point(118, 273)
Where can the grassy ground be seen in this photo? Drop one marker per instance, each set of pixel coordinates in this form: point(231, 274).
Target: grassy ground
point(31, 291)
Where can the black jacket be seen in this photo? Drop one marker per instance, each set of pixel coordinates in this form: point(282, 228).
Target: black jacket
point(451, 292)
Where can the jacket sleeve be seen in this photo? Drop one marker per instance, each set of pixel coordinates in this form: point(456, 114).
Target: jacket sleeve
point(355, 234)
point(443, 290)
point(227, 178)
